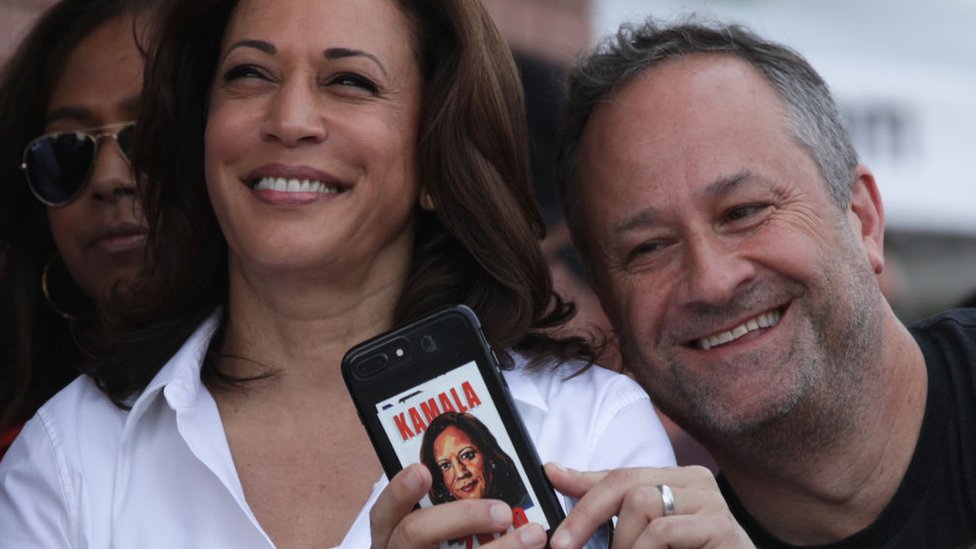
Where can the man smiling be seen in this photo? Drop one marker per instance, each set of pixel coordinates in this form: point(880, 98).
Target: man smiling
point(735, 243)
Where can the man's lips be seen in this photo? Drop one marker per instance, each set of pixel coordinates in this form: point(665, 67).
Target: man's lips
point(764, 320)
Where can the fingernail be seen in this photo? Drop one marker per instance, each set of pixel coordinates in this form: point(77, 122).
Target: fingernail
point(501, 513)
point(414, 479)
point(557, 466)
point(531, 536)
point(562, 538)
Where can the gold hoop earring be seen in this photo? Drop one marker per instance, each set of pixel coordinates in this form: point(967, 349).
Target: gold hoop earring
point(46, 289)
point(427, 202)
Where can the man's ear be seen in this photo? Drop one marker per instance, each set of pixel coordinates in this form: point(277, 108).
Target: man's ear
point(867, 216)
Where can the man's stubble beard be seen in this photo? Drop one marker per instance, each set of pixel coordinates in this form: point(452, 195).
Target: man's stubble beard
point(828, 393)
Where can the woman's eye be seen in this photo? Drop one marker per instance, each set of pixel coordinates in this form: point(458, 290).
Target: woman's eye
point(355, 81)
point(468, 455)
point(243, 71)
point(443, 465)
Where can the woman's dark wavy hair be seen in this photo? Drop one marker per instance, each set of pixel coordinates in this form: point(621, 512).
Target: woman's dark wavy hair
point(479, 248)
point(502, 480)
point(38, 350)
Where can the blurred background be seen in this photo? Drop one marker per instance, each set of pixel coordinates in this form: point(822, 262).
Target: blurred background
point(903, 73)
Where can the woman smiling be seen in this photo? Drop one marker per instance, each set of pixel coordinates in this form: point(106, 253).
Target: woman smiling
point(318, 171)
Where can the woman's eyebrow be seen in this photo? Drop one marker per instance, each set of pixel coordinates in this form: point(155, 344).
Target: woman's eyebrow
point(341, 53)
point(266, 47)
point(74, 114)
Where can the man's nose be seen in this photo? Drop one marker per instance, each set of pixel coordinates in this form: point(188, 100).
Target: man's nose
point(713, 269)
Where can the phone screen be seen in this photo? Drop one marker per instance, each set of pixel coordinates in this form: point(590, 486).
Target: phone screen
point(431, 392)
point(450, 425)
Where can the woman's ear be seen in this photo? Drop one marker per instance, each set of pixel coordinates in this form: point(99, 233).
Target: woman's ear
point(426, 201)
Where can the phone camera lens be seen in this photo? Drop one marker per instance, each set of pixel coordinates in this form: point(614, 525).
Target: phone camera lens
point(371, 365)
point(428, 344)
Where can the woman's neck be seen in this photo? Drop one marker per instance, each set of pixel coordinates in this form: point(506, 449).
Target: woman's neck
point(300, 327)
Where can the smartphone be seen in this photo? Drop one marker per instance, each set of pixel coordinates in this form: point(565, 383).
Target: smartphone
point(431, 392)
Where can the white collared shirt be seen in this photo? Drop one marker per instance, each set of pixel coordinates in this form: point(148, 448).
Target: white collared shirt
point(85, 474)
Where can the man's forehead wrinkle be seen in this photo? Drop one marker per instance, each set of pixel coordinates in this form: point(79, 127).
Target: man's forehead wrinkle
point(651, 214)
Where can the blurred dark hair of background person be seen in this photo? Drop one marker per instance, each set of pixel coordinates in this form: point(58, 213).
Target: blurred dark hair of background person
point(70, 220)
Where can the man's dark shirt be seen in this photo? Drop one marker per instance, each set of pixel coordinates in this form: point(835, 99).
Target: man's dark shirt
point(935, 505)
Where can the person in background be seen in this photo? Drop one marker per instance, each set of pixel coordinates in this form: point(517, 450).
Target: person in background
point(71, 225)
point(736, 244)
point(316, 173)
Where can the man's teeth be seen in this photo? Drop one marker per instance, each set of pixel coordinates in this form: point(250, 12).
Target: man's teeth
point(294, 185)
point(765, 320)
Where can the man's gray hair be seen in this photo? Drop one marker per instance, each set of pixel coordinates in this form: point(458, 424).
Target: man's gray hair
point(812, 117)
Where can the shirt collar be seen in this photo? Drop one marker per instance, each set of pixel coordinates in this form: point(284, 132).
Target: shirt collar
point(179, 379)
point(522, 385)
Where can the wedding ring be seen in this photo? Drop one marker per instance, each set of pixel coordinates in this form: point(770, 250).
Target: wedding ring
point(667, 498)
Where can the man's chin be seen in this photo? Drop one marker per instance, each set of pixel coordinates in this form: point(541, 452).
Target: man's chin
point(733, 416)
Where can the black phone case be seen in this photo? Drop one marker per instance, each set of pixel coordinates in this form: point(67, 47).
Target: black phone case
point(403, 380)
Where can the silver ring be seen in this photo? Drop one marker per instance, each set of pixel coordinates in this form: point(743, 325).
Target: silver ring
point(667, 498)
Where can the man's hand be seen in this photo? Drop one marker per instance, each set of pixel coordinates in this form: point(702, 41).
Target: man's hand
point(700, 516)
point(395, 523)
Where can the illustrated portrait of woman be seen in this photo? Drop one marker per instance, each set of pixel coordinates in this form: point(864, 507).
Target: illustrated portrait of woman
point(466, 461)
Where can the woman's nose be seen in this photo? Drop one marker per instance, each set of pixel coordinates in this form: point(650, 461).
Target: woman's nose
point(460, 469)
point(111, 174)
point(294, 116)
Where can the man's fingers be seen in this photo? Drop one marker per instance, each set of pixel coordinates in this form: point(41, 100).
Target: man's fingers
point(644, 504)
point(576, 483)
point(599, 503)
point(634, 495)
point(693, 532)
point(635, 515)
point(571, 482)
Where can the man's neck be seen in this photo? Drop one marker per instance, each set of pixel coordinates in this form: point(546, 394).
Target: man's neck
point(839, 488)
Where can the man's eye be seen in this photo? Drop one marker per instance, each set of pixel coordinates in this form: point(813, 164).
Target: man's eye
point(739, 213)
point(643, 249)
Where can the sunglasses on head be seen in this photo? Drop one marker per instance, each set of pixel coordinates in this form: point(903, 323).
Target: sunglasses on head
point(58, 165)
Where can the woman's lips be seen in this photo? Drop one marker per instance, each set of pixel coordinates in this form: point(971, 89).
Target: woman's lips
point(286, 185)
point(119, 238)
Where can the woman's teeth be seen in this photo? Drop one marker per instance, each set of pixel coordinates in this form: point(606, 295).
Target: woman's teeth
point(281, 184)
point(764, 320)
